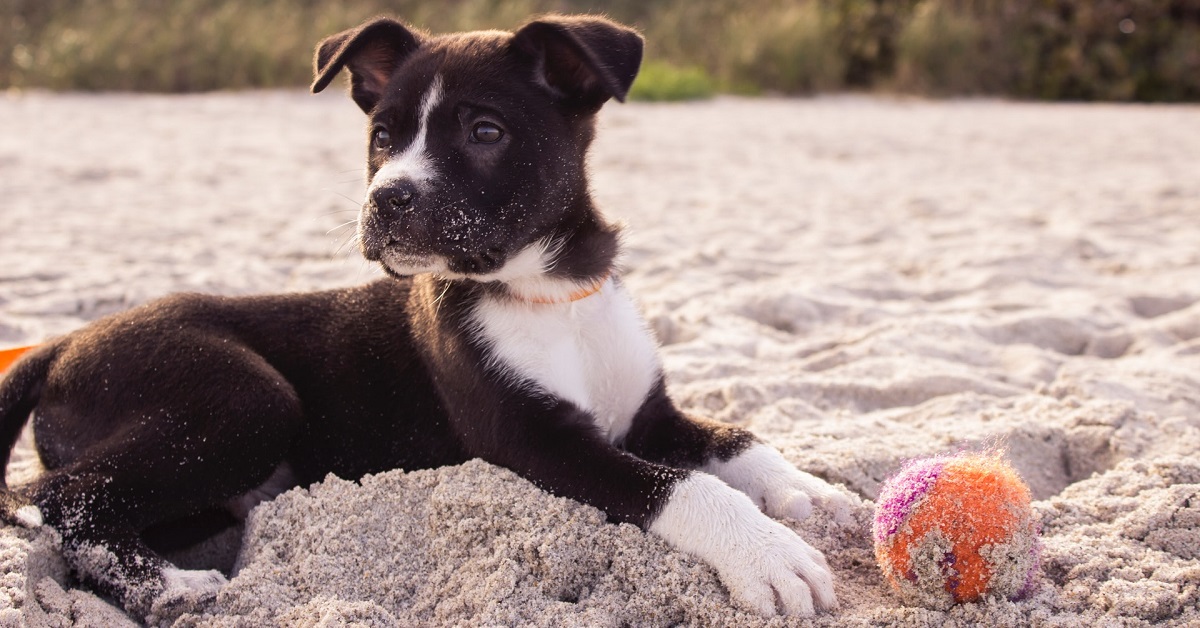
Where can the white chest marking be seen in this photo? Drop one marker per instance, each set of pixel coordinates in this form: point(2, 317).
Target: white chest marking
point(595, 352)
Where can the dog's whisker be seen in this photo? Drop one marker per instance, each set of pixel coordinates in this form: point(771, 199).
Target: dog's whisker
point(551, 248)
point(349, 245)
point(353, 240)
point(339, 211)
point(356, 203)
point(342, 226)
point(437, 303)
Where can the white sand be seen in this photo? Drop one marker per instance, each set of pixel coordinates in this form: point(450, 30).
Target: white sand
point(857, 280)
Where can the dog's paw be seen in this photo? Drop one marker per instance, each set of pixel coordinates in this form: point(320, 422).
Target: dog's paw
point(29, 516)
point(16, 509)
point(184, 591)
point(782, 574)
point(778, 487)
point(766, 566)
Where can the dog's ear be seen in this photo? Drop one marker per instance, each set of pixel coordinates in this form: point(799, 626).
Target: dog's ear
point(371, 52)
point(583, 59)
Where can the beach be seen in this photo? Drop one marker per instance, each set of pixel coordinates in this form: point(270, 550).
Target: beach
point(858, 280)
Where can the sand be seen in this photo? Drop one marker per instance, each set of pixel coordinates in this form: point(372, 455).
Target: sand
point(857, 280)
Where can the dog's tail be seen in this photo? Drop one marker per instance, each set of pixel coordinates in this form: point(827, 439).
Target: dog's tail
point(19, 393)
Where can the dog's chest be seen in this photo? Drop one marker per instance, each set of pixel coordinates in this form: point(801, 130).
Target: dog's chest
point(596, 352)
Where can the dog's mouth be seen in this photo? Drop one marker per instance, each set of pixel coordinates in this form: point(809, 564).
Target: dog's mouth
point(524, 273)
point(399, 260)
point(424, 245)
point(396, 256)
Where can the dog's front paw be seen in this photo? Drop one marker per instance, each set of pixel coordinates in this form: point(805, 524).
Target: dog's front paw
point(766, 566)
point(784, 571)
point(778, 487)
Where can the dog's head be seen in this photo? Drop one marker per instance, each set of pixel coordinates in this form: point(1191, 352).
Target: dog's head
point(476, 155)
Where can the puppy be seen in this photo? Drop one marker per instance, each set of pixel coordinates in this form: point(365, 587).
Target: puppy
point(504, 332)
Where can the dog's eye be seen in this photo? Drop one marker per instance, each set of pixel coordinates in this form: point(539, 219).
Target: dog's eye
point(486, 133)
point(380, 138)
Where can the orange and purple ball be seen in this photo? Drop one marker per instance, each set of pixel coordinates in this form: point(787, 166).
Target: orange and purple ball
point(958, 528)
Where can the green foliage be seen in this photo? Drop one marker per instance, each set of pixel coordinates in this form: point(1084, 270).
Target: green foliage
point(792, 49)
point(1145, 50)
point(867, 33)
point(187, 45)
point(941, 51)
point(199, 45)
point(1079, 50)
point(1051, 49)
point(660, 81)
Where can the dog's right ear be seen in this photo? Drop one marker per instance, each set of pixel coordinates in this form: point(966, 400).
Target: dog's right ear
point(582, 59)
point(371, 52)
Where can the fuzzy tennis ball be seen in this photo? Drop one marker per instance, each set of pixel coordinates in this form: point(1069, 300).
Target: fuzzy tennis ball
point(952, 529)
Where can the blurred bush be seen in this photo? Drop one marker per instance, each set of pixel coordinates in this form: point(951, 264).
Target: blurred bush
point(1051, 49)
point(199, 45)
point(663, 81)
point(1146, 50)
point(867, 33)
point(793, 49)
point(942, 51)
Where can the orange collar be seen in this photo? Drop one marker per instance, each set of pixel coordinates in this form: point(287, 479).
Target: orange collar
point(578, 295)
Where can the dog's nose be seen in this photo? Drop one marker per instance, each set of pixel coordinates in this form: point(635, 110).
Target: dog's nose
point(394, 198)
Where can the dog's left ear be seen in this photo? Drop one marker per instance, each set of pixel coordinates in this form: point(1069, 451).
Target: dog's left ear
point(583, 59)
point(371, 52)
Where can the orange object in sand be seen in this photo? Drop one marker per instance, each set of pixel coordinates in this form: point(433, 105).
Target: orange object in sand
point(8, 356)
point(954, 529)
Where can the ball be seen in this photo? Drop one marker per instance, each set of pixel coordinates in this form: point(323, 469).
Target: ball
point(957, 528)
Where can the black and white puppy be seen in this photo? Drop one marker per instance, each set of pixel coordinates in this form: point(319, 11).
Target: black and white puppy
point(504, 334)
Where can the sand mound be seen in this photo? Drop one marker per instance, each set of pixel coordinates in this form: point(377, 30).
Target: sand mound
point(857, 280)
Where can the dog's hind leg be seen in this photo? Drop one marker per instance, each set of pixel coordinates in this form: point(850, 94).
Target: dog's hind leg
point(174, 463)
point(100, 508)
point(112, 557)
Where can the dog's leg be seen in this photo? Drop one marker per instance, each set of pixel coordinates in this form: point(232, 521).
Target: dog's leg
point(90, 511)
point(764, 564)
point(99, 510)
point(111, 556)
point(158, 466)
point(557, 447)
point(663, 434)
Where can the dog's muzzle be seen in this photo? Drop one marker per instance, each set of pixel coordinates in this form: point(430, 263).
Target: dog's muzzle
point(401, 226)
point(390, 219)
